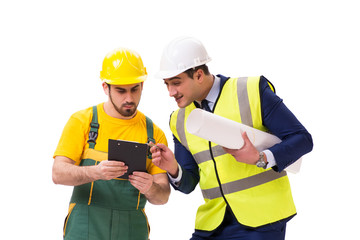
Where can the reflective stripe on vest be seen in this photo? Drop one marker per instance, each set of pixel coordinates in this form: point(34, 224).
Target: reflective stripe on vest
point(242, 184)
point(245, 188)
point(243, 100)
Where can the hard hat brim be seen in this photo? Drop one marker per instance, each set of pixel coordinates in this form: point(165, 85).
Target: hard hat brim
point(168, 74)
point(124, 81)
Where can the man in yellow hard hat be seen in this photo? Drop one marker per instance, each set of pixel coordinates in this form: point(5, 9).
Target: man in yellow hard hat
point(246, 192)
point(104, 205)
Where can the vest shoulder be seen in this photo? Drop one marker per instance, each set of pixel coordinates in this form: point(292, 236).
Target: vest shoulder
point(190, 107)
point(262, 81)
point(243, 78)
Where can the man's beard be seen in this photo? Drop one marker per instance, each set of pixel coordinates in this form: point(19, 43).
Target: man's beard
point(124, 112)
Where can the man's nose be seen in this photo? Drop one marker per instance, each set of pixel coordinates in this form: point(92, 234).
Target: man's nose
point(129, 97)
point(172, 91)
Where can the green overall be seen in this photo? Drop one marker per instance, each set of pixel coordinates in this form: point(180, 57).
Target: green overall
point(104, 210)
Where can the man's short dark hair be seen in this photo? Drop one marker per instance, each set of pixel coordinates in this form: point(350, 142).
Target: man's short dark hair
point(190, 72)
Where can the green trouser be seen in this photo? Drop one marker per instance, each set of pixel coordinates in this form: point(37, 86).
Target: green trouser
point(104, 210)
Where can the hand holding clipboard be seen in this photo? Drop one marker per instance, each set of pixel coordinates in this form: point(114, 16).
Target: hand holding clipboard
point(133, 154)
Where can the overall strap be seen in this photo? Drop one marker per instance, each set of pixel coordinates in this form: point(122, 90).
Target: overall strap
point(94, 126)
point(150, 133)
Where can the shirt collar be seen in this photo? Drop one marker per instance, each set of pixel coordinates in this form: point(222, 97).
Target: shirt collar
point(214, 91)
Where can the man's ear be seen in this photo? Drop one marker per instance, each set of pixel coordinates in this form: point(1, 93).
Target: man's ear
point(106, 88)
point(199, 74)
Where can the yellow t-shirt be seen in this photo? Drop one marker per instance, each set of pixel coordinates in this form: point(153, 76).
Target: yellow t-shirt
point(73, 141)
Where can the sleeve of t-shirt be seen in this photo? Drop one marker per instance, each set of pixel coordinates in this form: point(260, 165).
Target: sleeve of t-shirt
point(72, 140)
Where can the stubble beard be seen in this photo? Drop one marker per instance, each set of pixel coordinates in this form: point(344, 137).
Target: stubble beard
point(124, 112)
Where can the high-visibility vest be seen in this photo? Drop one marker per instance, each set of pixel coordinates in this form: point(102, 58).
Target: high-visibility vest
point(256, 196)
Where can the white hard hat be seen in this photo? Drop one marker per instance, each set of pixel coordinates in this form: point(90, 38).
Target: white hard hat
point(180, 55)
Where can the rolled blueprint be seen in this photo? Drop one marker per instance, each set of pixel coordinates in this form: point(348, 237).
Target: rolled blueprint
point(227, 133)
point(217, 129)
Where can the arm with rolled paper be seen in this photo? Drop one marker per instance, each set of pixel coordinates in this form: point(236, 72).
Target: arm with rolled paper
point(294, 140)
point(288, 142)
point(245, 147)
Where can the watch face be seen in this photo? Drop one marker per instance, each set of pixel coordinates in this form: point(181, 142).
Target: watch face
point(260, 164)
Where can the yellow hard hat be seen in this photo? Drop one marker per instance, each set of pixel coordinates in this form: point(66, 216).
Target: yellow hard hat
point(123, 66)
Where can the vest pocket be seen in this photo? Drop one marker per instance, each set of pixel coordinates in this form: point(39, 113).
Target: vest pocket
point(85, 222)
point(129, 225)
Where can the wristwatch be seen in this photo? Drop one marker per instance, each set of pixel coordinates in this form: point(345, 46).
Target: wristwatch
point(261, 162)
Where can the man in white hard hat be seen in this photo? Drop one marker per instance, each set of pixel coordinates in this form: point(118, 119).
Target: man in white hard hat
point(105, 204)
point(247, 193)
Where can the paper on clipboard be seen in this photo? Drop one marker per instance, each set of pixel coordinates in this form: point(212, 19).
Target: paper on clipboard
point(133, 154)
point(225, 132)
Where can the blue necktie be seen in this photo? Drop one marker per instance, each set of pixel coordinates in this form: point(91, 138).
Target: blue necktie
point(205, 105)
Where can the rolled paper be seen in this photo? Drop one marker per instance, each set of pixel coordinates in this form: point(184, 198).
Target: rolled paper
point(215, 128)
point(227, 133)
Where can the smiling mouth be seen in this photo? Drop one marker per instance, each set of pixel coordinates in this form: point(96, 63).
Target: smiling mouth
point(178, 99)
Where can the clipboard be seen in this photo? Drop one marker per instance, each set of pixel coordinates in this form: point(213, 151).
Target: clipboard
point(133, 154)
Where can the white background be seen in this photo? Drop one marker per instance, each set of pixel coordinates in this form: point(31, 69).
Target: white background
point(51, 54)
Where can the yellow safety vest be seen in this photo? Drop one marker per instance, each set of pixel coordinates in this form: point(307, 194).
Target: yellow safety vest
point(256, 196)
